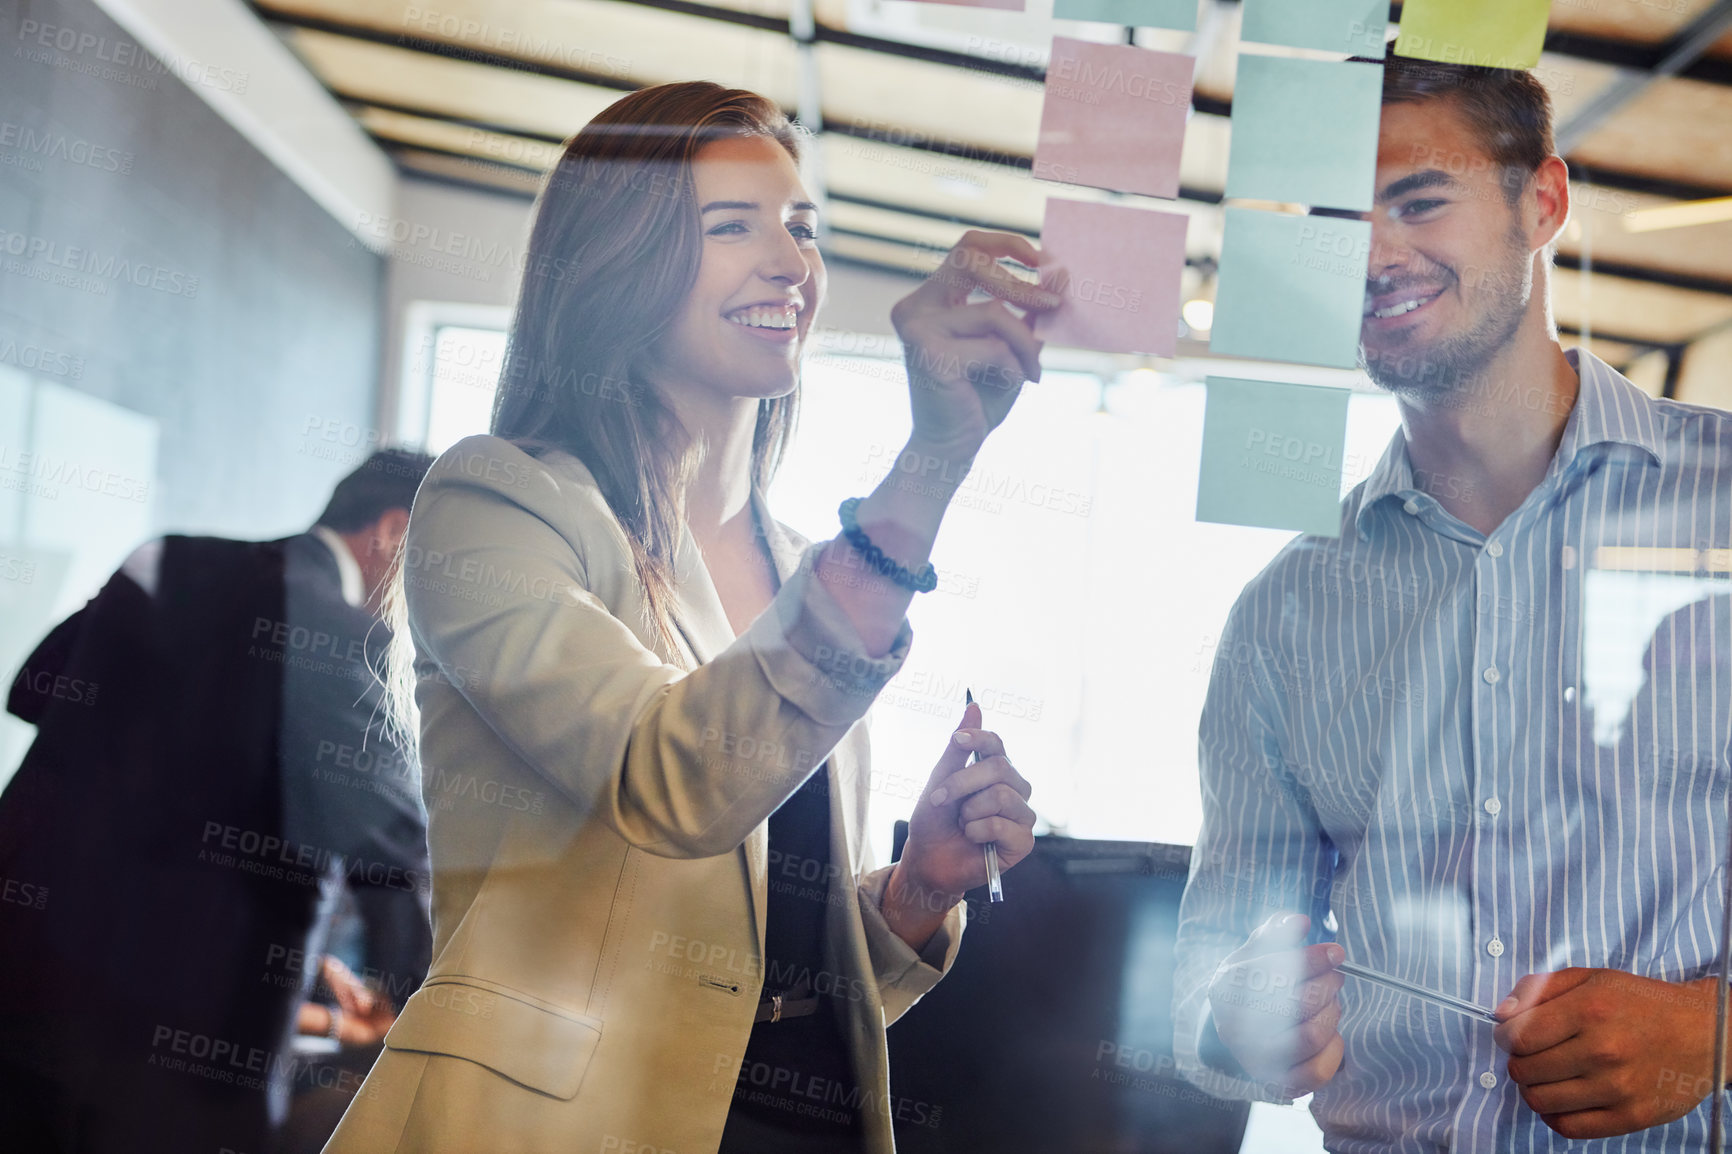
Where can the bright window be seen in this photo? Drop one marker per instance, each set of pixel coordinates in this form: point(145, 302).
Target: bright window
point(1080, 599)
point(463, 375)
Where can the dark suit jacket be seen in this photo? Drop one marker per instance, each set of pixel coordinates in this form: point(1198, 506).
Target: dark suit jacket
point(208, 769)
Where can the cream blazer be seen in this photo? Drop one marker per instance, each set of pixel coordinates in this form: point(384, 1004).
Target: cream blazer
point(597, 804)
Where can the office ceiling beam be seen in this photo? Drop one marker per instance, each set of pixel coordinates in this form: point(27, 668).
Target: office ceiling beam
point(1204, 105)
point(1684, 50)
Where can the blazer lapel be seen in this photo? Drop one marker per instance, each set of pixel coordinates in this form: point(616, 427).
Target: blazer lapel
point(703, 623)
point(845, 765)
point(847, 797)
point(697, 610)
point(784, 553)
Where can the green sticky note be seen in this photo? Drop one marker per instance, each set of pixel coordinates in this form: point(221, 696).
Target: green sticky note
point(1272, 456)
point(1180, 14)
point(1356, 27)
point(1305, 131)
point(1292, 288)
point(1490, 33)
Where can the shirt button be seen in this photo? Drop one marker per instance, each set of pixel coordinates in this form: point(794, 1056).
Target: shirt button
point(1494, 948)
point(1488, 1079)
point(1569, 694)
point(1412, 507)
point(1495, 550)
point(1492, 676)
point(1493, 806)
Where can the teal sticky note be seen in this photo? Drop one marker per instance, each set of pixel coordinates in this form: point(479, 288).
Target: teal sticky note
point(1305, 131)
point(1292, 288)
point(1355, 27)
point(1272, 456)
point(1180, 14)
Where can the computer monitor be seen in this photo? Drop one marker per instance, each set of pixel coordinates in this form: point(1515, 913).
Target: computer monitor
point(1053, 1033)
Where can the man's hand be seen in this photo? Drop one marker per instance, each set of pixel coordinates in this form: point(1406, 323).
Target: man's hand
point(1276, 1006)
point(365, 1014)
point(1601, 1052)
point(352, 995)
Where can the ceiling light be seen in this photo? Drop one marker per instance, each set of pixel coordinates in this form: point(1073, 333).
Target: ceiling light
point(1199, 314)
point(959, 187)
point(1679, 215)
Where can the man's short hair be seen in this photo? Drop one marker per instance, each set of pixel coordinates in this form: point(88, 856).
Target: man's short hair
point(1509, 110)
point(386, 480)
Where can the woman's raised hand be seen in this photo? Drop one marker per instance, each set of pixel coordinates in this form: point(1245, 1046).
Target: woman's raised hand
point(967, 362)
point(966, 365)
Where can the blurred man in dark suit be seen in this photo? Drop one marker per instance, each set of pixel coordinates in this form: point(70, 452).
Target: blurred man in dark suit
point(185, 822)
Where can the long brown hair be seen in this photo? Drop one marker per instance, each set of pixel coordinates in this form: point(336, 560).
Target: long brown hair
point(612, 255)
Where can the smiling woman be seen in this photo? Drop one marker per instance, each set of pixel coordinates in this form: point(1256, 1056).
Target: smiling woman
point(612, 271)
point(686, 946)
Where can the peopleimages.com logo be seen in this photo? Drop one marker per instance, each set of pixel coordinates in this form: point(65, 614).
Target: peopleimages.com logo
point(45, 254)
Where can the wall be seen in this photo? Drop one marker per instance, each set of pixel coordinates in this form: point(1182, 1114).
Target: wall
point(152, 258)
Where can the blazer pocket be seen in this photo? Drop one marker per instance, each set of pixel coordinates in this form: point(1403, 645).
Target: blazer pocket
point(545, 1049)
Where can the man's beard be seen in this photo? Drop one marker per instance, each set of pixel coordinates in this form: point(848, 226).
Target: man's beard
point(1446, 371)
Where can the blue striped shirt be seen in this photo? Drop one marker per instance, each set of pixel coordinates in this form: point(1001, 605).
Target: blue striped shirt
point(1485, 755)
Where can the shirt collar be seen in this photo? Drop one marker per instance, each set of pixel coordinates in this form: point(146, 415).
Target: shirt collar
point(348, 569)
point(1609, 410)
point(1393, 477)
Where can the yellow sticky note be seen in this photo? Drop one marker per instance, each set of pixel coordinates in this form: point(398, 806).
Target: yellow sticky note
point(1490, 33)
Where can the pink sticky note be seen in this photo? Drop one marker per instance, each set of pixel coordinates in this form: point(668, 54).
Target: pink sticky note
point(1114, 117)
point(1125, 266)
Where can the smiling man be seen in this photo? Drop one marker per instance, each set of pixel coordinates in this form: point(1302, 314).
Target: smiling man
point(1400, 755)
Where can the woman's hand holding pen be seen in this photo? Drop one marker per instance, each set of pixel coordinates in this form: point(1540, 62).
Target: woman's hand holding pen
point(963, 807)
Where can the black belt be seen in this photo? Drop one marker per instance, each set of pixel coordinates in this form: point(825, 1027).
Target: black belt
point(798, 1002)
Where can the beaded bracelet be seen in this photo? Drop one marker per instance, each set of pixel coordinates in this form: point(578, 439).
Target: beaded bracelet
point(924, 581)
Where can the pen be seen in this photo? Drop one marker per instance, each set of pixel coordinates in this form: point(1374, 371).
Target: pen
point(1435, 997)
point(994, 883)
